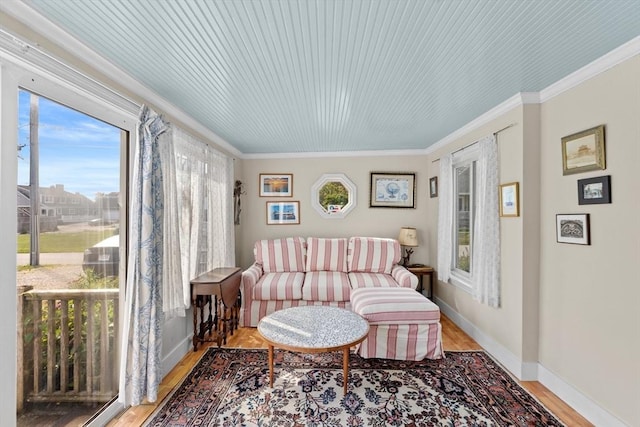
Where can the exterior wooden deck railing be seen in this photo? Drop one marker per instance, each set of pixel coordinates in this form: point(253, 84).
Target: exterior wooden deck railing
point(67, 345)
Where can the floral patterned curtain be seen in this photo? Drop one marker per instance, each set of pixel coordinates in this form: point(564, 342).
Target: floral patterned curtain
point(140, 372)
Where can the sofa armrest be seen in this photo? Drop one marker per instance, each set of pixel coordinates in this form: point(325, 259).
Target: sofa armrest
point(250, 277)
point(404, 277)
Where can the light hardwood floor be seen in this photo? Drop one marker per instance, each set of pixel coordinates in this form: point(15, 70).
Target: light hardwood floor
point(454, 339)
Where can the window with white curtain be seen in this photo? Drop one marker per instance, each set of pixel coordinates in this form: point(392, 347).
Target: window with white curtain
point(204, 186)
point(464, 191)
point(468, 223)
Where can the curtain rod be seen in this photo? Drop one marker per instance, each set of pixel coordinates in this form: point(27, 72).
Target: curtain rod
point(475, 142)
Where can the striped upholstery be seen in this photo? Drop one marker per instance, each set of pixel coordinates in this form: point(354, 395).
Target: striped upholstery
point(371, 280)
point(403, 342)
point(252, 312)
point(326, 254)
point(394, 306)
point(404, 325)
point(280, 255)
point(404, 277)
point(279, 286)
point(292, 272)
point(373, 255)
point(326, 286)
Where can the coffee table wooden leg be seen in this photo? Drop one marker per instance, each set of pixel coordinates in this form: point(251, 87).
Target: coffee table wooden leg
point(345, 368)
point(271, 366)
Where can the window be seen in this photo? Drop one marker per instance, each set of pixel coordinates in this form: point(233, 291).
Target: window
point(463, 211)
point(468, 223)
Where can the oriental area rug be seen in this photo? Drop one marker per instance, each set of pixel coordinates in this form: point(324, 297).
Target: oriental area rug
point(230, 387)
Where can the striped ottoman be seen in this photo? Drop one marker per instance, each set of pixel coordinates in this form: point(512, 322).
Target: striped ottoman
point(403, 324)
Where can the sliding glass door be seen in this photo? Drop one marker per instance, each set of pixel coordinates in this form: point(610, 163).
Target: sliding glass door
point(70, 261)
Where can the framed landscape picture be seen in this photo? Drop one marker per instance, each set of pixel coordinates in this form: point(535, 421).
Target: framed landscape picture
point(592, 191)
point(583, 151)
point(509, 199)
point(573, 228)
point(276, 185)
point(392, 190)
point(279, 213)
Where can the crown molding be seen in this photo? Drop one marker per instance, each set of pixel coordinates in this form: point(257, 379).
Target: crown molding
point(598, 66)
point(499, 110)
point(319, 154)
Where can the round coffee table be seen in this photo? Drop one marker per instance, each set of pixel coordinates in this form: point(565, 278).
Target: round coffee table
point(313, 329)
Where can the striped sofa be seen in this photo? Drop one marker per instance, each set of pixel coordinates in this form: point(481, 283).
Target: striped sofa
point(294, 271)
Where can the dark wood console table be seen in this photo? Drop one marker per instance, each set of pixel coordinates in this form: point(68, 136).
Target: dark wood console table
point(218, 285)
point(420, 271)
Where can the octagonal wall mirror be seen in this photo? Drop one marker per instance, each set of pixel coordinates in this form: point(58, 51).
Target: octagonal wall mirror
point(333, 195)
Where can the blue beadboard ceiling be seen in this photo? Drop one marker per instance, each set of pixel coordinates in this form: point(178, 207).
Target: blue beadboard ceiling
point(278, 76)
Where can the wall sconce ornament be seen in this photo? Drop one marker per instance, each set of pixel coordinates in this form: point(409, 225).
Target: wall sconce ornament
point(237, 192)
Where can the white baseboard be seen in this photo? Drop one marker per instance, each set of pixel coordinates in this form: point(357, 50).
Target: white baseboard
point(533, 371)
point(578, 401)
point(174, 356)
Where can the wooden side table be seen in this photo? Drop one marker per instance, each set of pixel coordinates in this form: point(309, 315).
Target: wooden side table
point(420, 271)
point(220, 284)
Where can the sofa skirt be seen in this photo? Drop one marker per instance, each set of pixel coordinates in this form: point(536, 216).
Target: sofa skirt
point(403, 342)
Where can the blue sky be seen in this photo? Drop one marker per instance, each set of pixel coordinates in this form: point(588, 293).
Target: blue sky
point(75, 149)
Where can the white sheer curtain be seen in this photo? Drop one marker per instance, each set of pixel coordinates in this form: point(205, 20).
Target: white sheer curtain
point(204, 179)
point(445, 218)
point(485, 260)
point(172, 293)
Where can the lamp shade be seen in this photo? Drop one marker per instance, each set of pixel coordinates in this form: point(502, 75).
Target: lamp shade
point(408, 236)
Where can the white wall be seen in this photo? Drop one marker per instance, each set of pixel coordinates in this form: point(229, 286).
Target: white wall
point(589, 295)
point(569, 313)
point(362, 221)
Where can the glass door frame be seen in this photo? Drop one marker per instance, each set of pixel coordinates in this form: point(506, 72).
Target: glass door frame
point(13, 76)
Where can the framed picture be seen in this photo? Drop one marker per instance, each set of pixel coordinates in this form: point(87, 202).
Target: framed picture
point(592, 191)
point(510, 199)
point(276, 185)
point(392, 190)
point(283, 213)
point(583, 151)
point(572, 228)
point(433, 187)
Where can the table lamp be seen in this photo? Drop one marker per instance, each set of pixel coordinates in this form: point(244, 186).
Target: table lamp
point(408, 237)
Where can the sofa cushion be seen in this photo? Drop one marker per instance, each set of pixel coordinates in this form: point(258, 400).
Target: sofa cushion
point(394, 306)
point(326, 286)
point(280, 255)
point(371, 280)
point(279, 286)
point(326, 254)
point(372, 254)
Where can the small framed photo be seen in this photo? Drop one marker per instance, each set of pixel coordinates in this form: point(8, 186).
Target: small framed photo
point(392, 190)
point(276, 185)
point(510, 199)
point(583, 151)
point(592, 191)
point(279, 213)
point(573, 228)
point(433, 187)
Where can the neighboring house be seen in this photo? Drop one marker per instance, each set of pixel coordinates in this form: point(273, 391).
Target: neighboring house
point(108, 206)
point(68, 207)
point(48, 218)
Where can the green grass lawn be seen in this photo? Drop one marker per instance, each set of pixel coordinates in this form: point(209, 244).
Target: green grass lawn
point(64, 242)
